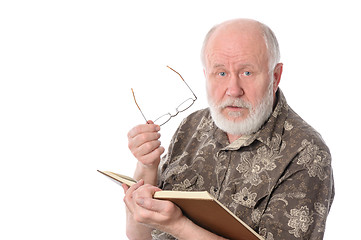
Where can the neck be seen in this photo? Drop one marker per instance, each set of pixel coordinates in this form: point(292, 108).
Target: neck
point(232, 138)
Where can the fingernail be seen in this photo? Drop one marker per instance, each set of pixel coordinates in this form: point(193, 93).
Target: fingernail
point(157, 128)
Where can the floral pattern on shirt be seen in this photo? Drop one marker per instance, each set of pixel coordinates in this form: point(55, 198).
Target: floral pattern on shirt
point(314, 159)
point(245, 197)
point(300, 220)
point(278, 180)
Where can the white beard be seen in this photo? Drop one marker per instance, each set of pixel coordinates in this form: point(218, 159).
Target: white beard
point(256, 118)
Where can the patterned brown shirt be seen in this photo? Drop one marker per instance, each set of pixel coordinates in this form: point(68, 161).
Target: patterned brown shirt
point(278, 181)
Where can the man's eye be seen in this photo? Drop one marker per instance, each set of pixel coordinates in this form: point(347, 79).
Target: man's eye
point(247, 73)
point(222, 74)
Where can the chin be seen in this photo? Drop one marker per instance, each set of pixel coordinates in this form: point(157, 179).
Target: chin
point(234, 120)
point(235, 116)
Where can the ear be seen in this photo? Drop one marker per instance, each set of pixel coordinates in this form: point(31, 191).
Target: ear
point(277, 76)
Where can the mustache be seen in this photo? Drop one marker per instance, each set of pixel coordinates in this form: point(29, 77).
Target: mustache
point(235, 102)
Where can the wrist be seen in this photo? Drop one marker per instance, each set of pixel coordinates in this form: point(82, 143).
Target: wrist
point(146, 172)
point(182, 228)
point(187, 229)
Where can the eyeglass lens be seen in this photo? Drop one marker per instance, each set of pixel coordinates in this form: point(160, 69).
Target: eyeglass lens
point(182, 107)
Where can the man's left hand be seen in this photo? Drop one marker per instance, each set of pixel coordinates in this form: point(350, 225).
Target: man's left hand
point(158, 214)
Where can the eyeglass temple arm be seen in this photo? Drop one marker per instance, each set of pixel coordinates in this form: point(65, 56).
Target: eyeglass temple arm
point(139, 107)
point(183, 80)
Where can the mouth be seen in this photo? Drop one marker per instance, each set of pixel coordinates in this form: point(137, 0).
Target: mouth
point(235, 111)
point(234, 108)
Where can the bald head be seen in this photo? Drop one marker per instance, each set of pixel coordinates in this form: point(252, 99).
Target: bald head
point(239, 31)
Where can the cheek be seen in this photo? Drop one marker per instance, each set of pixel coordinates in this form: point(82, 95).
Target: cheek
point(257, 93)
point(262, 93)
point(215, 92)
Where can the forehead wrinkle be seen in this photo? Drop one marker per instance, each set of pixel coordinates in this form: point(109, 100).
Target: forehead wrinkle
point(217, 60)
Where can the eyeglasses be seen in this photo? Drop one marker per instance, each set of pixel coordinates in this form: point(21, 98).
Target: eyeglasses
point(181, 107)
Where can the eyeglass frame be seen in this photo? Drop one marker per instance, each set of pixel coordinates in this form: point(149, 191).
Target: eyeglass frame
point(169, 114)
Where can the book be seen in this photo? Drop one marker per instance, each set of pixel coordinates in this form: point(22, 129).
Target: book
point(202, 208)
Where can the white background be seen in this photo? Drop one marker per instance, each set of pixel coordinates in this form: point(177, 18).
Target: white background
point(66, 70)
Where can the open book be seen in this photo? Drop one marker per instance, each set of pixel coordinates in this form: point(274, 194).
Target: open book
point(202, 208)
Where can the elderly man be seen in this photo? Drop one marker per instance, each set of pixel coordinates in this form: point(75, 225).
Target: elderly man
point(249, 149)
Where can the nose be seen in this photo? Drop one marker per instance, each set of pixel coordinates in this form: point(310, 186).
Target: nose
point(234, 88)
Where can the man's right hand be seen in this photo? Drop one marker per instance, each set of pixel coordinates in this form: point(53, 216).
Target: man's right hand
point(143, 142)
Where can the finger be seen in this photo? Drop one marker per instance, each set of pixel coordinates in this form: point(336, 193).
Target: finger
point(145, 148)
point(142, 138)
point(137, 185)
point(152, 157)
point(125, 188)
point(146, 190)
point(130, 191)
point(143, 128)
point(158, 212)
point(128, 198)
point(152, 204)
point(143, 196)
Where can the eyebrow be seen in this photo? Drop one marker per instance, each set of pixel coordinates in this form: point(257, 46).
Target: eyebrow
point(218, 65)
point(244, 65)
